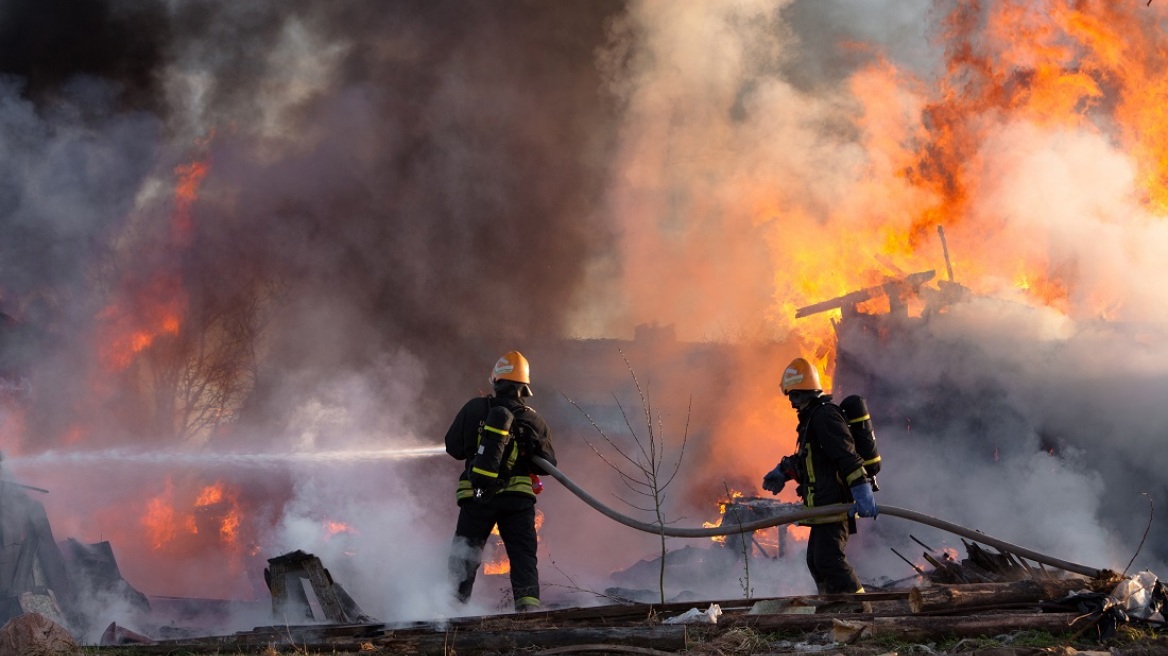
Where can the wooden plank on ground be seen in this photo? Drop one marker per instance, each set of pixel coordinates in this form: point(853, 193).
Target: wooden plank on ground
point(909, 627)
point(958, 598)
point(662, 638)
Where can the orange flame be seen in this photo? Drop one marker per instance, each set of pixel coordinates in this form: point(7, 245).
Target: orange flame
point(190, 177)
point(130, 331)
point(228, 530)
point(167, 524)
point(192, 522)
point(160, 520)
point(332, 528)
point(497, 567)
point(1013, 70)
point(798, 533)
point(723, 504)
point(210, 495)
point(216, 494)
point(157, 307)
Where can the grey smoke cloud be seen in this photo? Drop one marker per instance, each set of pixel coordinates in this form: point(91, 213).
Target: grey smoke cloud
point(1025, 433)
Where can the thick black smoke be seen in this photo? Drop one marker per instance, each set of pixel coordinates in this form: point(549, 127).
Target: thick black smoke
point(420, 177)
point(50, 45)
point(352, 209)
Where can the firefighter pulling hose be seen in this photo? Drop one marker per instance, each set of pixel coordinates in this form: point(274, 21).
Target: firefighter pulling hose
point(810, 513)
point(829, 467)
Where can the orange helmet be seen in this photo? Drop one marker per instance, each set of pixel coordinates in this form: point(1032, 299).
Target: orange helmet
point(512, 366)
point(800, 375)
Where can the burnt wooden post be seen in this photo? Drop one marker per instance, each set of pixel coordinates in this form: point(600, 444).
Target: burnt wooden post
point(33, 577)
point(284, 577)
point(284, 581)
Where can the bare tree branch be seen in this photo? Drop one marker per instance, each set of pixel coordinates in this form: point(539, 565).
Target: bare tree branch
point(602, 433)
point(652, 456)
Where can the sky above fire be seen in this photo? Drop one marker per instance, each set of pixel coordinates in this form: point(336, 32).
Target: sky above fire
point(306, 226)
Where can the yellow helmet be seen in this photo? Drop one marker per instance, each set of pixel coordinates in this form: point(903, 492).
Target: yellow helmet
point(800, 375)
point(512, 366)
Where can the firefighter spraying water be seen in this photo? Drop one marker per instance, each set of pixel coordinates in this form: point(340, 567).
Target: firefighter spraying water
point(498, 436)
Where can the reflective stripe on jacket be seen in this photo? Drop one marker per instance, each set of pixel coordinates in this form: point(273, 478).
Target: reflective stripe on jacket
point(520, 484)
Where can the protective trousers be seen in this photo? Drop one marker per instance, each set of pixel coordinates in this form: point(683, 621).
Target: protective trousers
point(826, 559)
point(515, 516)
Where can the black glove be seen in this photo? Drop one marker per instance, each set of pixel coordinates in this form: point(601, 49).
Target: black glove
point(775, 480)
point(482, 482)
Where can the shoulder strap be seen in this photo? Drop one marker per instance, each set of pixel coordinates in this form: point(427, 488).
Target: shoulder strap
point(804, 435)
point(469, 463)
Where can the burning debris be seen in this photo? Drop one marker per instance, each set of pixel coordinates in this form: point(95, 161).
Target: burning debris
point(770, 543)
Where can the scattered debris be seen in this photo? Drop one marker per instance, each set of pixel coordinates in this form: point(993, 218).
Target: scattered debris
point(697, 616)
point(115, 636)
point(1141, 598)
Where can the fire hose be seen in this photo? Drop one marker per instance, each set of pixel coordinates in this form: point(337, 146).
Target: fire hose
point(809, 513)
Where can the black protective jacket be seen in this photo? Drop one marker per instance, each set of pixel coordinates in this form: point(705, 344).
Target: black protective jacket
point(529, 431)
point(827, 457)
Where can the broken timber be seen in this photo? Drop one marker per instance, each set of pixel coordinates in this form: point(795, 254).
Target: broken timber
point(894, 289)
point(960, 598)
point(632, 625)
point(284, 577)
point(925, 628)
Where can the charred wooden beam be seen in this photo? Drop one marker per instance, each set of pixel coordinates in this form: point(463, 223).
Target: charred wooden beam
point(511, 640)
point(922, 628)
point(910, 627)
point(283, 576)
point(958, 598)
point(661, 638)
point(892, 289)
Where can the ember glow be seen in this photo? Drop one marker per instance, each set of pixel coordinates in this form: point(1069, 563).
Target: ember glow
point(332, 528)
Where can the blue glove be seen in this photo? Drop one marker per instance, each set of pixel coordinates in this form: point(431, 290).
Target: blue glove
point(865, 505)
point(774, 481)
